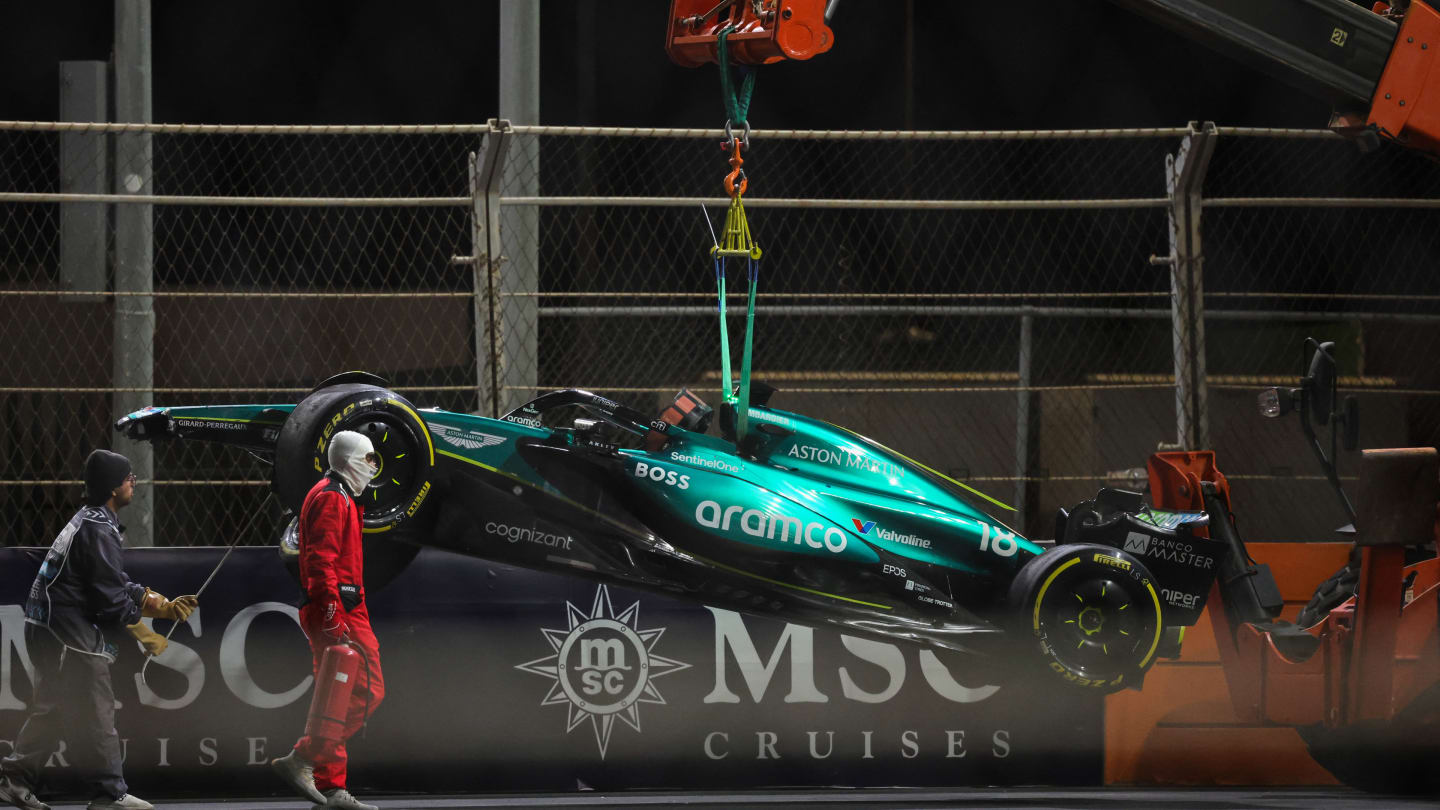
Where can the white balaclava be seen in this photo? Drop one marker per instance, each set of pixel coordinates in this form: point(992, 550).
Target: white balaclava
point(347, 458)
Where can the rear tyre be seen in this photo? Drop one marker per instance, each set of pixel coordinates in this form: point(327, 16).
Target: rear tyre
point(1091, 613)
point(399, 502)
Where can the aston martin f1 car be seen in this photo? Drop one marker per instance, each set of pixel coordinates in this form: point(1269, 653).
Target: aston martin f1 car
point(796, 518)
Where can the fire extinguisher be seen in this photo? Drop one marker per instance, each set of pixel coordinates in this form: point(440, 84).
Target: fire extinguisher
point(334, 682)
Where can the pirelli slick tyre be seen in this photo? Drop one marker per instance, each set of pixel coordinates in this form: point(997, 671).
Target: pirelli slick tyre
point(400, 491)
point(1092, 614)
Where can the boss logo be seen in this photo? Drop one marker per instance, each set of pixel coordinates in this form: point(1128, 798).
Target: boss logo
point(660, 475)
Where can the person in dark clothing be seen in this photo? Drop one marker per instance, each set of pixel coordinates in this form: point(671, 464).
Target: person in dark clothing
point(332, 575)
point(79, 602)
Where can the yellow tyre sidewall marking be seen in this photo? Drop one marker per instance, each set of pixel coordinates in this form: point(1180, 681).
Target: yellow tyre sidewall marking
point(1040, 597)
point(1159, 628)
point(425, 429)
point(425, 485)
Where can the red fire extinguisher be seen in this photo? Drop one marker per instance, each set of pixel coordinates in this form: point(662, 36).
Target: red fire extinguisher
point(333, 683)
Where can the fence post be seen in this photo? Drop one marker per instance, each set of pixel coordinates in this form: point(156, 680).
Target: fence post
point(1184, 178)
point(518, 327)
point(485, 171)
point(84, 169)
point(1022, 419)
point(134, 326)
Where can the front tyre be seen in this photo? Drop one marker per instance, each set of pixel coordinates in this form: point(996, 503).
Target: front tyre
point(1091, 612)
point(401, 488)
point(400, 499)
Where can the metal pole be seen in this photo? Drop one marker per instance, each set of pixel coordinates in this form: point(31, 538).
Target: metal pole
point(825, 311)
point(485, 263)
point(134, 321)
point(519, 324)
point(84, 169)
point(476, 260)
point(1184, 177)
point(1022, 419)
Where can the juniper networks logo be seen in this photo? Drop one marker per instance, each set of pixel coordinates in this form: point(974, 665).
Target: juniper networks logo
point(603, 666)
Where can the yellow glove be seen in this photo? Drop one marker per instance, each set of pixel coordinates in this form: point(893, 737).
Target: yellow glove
point(153, 642)
point(156, 606)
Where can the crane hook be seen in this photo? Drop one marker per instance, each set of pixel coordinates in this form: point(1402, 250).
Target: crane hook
point(735, 181)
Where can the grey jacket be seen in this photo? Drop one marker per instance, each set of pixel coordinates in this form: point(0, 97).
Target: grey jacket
point(82, 593)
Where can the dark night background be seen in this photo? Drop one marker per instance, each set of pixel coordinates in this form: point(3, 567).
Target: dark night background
point(896, 64)
point(1050, 64)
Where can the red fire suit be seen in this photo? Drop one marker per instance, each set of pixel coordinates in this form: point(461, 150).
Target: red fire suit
point(332, 574)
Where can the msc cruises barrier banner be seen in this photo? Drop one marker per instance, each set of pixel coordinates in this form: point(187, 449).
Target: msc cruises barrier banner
point(503, 679)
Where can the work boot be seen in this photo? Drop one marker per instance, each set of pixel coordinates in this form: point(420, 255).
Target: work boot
point(20, 795)
point(340, 799)
point(125, 802)
point(299, 775)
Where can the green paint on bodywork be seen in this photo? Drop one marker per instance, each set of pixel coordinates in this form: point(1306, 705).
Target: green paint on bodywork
point(810, 488)
point(253, 414)
point(806, 468)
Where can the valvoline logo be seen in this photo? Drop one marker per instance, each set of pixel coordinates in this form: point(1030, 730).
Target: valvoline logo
point(863, 528)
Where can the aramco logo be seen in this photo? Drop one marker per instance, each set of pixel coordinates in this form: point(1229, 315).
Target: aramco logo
point(603, 666)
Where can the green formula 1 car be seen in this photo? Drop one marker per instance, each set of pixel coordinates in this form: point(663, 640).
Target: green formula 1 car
point(791, 517)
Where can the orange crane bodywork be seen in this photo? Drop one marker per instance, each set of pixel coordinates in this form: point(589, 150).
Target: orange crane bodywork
point(764, 31)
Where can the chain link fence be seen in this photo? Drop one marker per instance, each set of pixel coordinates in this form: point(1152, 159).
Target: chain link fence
point(1001, 306)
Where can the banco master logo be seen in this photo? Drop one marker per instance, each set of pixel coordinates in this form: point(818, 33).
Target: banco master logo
point(603, 667)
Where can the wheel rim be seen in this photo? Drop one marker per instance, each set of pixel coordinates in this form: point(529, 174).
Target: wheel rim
point(393, 484)
point(1093, 626)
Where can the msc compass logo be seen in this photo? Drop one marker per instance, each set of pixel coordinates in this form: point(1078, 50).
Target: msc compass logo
point(603, 666)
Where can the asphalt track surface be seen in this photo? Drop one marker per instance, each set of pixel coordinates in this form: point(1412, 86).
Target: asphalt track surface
point(887, 798)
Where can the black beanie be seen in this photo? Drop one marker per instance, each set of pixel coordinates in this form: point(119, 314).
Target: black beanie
point(104, 472)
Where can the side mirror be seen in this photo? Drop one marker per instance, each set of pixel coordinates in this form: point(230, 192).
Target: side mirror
point(1319, 386)
point(1276, 402)
point(1316, 400)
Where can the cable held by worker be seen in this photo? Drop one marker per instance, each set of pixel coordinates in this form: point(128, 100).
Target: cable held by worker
point(79, 603)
